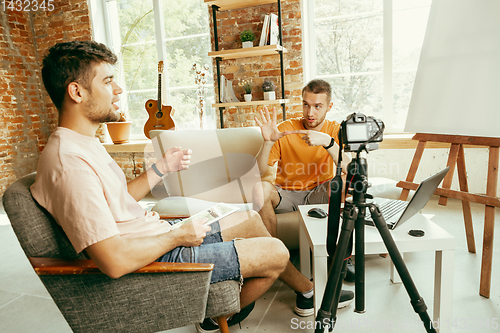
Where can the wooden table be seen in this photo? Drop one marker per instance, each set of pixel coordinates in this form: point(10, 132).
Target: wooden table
point(312, 238)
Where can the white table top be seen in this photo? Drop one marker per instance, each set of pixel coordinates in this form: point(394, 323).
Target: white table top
point(435, 238)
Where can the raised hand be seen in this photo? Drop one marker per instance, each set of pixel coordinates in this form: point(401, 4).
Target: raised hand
point(268, 127)
point(174, 159)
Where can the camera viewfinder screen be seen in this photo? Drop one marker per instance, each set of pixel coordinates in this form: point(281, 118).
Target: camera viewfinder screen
point(357, 132)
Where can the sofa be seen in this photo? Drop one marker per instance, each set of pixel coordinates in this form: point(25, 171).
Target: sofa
point(224, 169)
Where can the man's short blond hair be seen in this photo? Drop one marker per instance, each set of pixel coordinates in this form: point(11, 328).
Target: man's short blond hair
point(319, 87)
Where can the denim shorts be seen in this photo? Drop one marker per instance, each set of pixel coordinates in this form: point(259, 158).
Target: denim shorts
point(213, 250)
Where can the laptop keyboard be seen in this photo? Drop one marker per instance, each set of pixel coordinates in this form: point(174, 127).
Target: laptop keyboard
point(389, 209)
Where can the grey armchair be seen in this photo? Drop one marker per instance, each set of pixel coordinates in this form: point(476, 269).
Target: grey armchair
point(160, 296)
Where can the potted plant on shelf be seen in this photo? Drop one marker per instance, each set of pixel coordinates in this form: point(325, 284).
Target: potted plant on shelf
point(119, 131)
point(268, 87)
point(247, 87)
point(247, 38)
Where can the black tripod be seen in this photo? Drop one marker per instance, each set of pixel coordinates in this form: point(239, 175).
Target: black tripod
point(353, 217)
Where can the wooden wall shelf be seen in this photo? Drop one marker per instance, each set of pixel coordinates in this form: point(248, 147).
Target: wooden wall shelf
point(255, 51)
point(236, 4)
point(252, 103)
point(134, 146)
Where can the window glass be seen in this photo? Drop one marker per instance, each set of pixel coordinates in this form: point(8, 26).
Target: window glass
point(349, 54)
point(409, 23)
point(186, 17)
point(137, 110)
point(187, 41)
point(349, 45)
point(328, 8)
point(349, 51)
point(355, 93)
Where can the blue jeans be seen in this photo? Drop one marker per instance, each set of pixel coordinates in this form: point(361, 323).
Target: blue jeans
point(213, 250)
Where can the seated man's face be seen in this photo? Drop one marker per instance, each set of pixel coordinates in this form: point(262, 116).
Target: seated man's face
point(100, 105)
point(314, 109)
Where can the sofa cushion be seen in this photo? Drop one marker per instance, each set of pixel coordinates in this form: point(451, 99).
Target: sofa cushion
point(223, 169)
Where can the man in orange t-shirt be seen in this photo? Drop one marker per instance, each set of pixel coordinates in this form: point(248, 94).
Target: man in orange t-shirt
point(306, 150)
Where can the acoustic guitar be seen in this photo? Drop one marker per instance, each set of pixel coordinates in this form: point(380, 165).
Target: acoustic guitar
point(159, 114)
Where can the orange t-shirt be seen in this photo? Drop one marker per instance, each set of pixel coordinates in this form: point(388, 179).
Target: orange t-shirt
point(300, 166)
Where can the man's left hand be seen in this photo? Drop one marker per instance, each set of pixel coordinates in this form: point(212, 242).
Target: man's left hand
point(314, 138)
point(174, 159)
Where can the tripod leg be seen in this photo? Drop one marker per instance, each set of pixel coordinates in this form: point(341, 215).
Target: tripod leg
point(359, 263)
point(416, 300)
point(336, 296)
point(331, 297)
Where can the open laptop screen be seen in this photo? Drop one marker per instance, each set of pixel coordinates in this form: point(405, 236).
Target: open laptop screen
point(422, 195)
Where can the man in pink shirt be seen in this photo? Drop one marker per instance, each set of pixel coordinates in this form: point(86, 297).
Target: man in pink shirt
point(87, 193)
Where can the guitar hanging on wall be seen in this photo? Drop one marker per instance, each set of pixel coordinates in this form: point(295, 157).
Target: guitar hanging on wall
point(160, 116)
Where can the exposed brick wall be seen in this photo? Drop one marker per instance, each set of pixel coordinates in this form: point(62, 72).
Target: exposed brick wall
point(19, 98)
point(229, 25)
point(132, 164)
point(27, 116)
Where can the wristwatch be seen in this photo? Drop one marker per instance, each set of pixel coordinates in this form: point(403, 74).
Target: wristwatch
point(332, 142)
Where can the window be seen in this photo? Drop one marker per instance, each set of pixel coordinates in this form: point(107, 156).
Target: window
point(368, 50)
point(133, 31)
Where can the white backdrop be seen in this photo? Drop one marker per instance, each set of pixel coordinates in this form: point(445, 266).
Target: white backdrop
point(457, 86)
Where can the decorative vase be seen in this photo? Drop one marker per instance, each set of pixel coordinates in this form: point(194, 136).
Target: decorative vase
point(248, 97)
point(247, 44)
point(269, 95)
point(119, 131)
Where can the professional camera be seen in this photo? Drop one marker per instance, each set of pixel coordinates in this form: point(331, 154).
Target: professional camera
point(358, 130)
